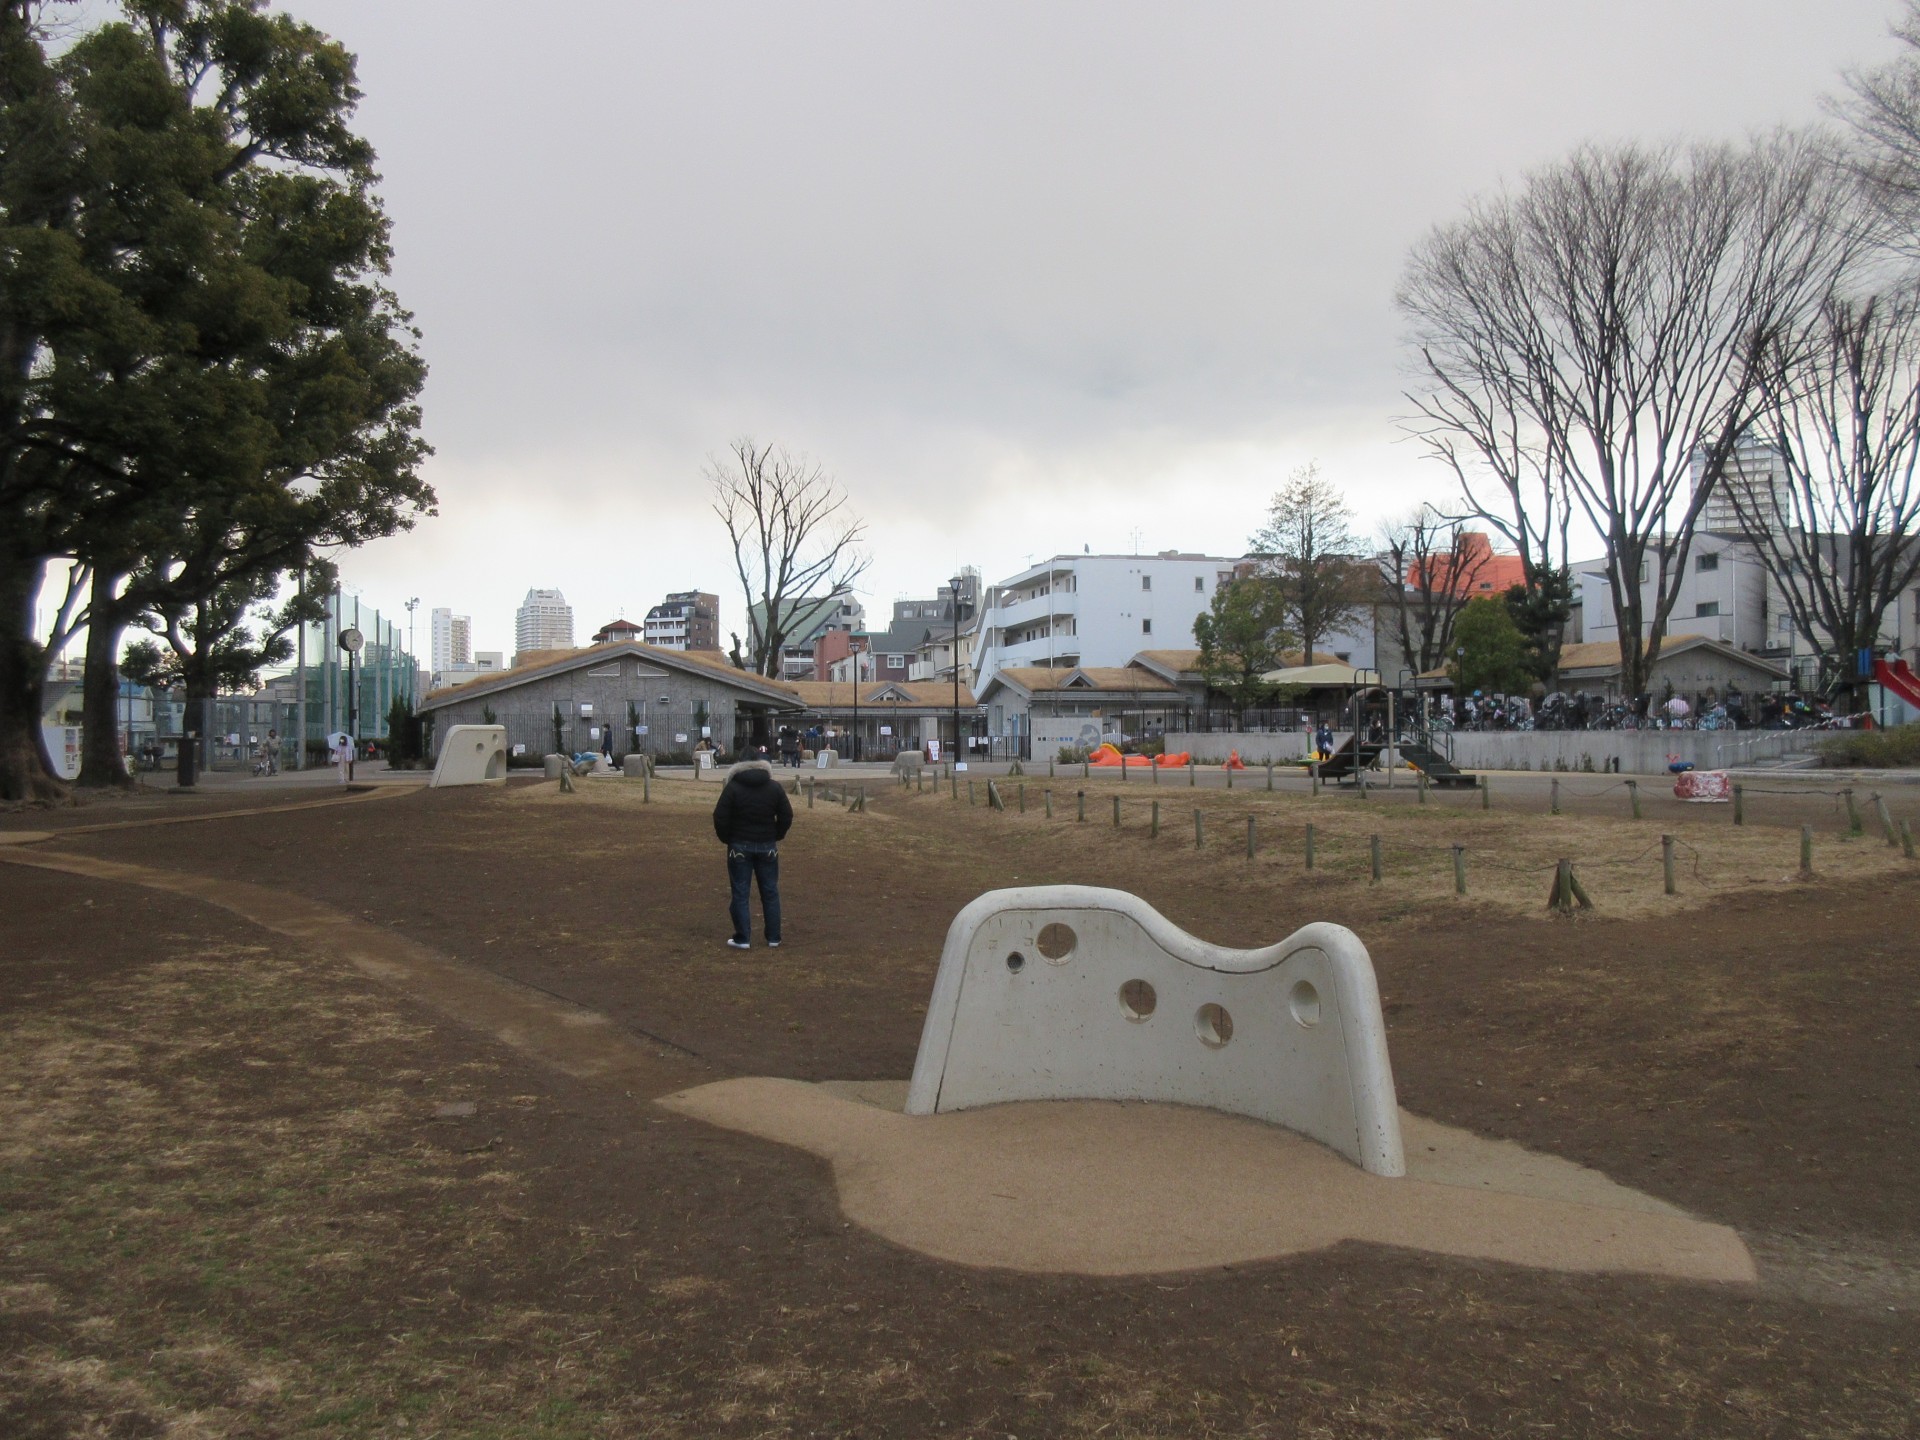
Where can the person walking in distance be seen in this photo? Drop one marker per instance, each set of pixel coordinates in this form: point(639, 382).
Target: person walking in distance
point(343, 755)
point(751, 818)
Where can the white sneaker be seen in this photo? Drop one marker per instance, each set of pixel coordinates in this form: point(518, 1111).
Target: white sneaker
point(773, 944)
point(733, 944)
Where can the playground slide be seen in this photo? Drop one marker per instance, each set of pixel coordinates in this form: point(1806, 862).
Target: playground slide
point(1898, 677)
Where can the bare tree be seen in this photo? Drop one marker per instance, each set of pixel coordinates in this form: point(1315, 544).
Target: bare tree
point(794, 540)
point(1841, 407)
point(1307, 550)
point(1883, 110)
point(1598, 334)
point(1431, 568)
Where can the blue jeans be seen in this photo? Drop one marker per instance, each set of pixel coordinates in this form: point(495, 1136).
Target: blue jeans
point(747, 862)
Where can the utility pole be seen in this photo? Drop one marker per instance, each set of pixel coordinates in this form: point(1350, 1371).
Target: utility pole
point(956, 670)
point(413, 657)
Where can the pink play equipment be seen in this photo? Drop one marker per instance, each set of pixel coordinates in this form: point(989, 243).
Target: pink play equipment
point(1704, 786)
point(1108, 755)
point(1898, 677)
point(1234, 762)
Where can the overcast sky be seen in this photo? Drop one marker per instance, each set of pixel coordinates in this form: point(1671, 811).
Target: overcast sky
point(1025, 277)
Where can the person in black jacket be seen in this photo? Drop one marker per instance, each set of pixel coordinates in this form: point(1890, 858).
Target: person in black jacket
point(751, 818)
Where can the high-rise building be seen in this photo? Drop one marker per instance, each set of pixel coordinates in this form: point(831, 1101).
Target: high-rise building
point(452, 641)
point(544, 621)
point(1751, 498)
point(685, 620)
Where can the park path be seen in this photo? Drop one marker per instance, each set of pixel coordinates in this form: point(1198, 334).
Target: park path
point(579, 1042)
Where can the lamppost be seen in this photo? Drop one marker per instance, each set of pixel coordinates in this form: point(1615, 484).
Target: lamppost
point(350, 641)
point(956, 670)
point(413, 655)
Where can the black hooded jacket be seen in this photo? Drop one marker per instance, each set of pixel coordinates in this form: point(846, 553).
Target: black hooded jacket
point(752, 808)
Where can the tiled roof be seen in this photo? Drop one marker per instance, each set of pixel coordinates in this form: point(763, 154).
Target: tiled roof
point(536, 664)
point(835, 694)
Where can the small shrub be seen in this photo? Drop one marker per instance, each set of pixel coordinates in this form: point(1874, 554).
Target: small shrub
point(1073, 754)
point(1586, 762)
point(1872, 749)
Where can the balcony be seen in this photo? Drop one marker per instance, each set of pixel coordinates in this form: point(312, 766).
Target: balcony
point(1058, 650)
point(1025, 612)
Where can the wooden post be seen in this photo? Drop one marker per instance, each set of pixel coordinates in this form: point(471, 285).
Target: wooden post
point(1906, 839)
point(1313, 771)
point(969, 790)
point(1023, 797)
point(1047, 795)
point(1360, 782)
point(1199, 830)
point(1229, 770)
point(1124, 767)
point(1561, 897)
point(1373, 850)
point(1806, 849)
point(1190, 772)
point(1886, 821)
point(1050, 768)
point(1423, 786)
point(1086, 769)
point(1486, 793)
point(1153, 830)
point(1854, 826)
point(1555, 802)
point(1249, 837)
point(1153, 769)
point(1309, 845)
point(1633, 795)
point(1269, 775)
point(1666, 863)
point(646, 784)
point(1116, 812)
point(1459, 869)
point(953, 783)
point(1739, 803)
point(809, 792)
point(1082, 795)
point(994, 800)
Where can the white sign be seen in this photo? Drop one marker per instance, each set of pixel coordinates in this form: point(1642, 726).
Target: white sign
point(680, 739)
point(706, 732)
point(585, 709)
point(886, 729)
point(960, 765)
point(519, 749)
point(593, 731)
point(639, 729)
point(933, 749)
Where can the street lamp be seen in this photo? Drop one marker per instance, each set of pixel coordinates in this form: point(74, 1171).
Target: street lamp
point(413, 656)
point(956, 670)
point(350, 641)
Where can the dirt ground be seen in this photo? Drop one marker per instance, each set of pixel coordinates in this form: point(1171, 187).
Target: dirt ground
point(248, 1192)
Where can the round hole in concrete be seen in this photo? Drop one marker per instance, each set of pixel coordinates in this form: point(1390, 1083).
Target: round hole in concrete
point(1016, 962)
point(1137, 999)
point(1056, 942)
point(1213, 1025)
point(1304, 1001)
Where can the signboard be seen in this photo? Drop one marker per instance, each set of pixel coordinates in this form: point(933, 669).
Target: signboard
point(680, 739)
point(593, 732)
point(585, 708)
point(519, 749)
point(639, 729)
point(706, 732)
point(886, 729)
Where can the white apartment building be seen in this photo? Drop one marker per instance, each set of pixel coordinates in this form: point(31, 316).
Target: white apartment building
point(1726, 594)
point(452, 639)
point(544, 621)
point(1095, 610)
point(1756, 479)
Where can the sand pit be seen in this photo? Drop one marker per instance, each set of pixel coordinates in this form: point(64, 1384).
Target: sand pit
point(1109, 1188)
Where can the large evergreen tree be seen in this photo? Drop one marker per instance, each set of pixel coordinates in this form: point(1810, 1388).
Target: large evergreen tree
point(207, 379)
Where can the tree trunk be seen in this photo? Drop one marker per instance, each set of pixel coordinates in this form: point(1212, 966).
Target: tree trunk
point(101, 761)
point(26, 771)
point(193, 726)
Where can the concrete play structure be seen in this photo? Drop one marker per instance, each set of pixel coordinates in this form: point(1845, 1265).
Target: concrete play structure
point(1073, 992)
point(472, 755)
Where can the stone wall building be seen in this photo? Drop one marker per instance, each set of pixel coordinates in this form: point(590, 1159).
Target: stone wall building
point(658, 701)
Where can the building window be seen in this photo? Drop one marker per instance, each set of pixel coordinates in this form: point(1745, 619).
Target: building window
point(1707, 607)
point(1146, 582)
point(1200, 584)
point(1146, 627)
point(1706, 562)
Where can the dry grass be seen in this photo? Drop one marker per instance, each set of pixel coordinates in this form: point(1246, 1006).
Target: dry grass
point(1509, 855)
